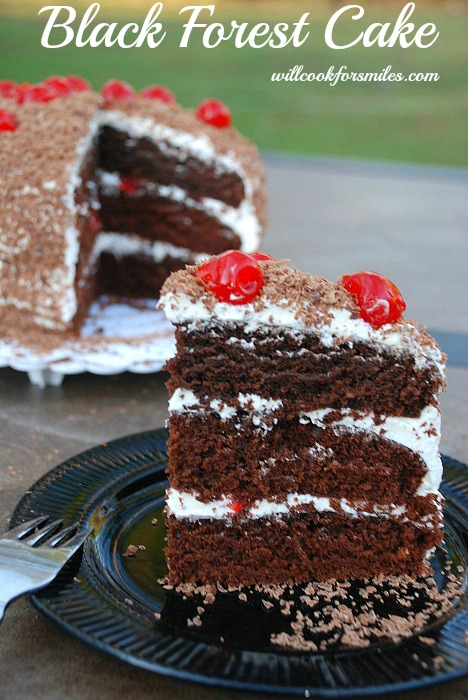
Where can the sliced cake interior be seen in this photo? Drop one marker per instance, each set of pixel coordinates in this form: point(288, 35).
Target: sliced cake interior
point(108, 196)
point(303, 439)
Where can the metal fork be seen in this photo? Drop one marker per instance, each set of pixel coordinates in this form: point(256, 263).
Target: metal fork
point(31, 556)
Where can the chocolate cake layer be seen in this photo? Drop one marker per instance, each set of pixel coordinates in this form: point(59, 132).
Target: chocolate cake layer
point(217, 458)
point(161, 219)
point(144, 158)
point(294, 549)
point(133, 276)
point(359, 377)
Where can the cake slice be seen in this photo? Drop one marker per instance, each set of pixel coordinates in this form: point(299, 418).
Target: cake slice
point(304, 426)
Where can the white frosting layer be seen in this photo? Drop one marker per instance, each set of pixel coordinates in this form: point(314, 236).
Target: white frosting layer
point(261, 410)
point(122, 245)
point(187, 505)
point(242, 220)
point(286, 318)
point(65, 285)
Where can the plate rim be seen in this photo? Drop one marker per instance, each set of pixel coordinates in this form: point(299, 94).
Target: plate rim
point(215, 681)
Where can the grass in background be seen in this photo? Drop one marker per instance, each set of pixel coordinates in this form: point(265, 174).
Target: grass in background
point(419, 122)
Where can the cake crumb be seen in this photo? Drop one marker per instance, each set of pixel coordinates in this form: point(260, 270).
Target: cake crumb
point(130, 551)
point(194, 622)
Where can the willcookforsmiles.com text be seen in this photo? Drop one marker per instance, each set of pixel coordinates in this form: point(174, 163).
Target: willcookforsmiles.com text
point(343, 74)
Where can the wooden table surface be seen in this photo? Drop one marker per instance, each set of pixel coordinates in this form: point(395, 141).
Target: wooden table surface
point(328, 217)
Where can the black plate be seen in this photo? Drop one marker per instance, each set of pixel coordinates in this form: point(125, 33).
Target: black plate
point(109, 601)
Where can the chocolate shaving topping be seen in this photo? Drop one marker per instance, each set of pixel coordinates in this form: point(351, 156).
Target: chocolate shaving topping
point(313, 298)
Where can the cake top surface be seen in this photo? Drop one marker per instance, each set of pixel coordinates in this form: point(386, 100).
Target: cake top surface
point(297, 302)
point(38, 151)
point(311, 296)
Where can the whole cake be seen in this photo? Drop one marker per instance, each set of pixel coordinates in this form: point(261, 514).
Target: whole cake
point(304, 426)
point(108, 193)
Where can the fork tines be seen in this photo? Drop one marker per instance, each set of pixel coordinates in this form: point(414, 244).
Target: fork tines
point(32, 533)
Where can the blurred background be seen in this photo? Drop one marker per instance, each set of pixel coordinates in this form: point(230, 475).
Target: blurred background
point(413, 122)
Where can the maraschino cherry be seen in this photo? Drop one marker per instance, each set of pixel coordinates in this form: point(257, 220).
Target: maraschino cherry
point(117, 90)
point(215, 113)
point(7, 121)
point(60, 84)
point(48, 90)
point(379, 299)
point(130, 185)
point(233, 276)
point(66, 84)
point(41, 92)
point(94, 222)
point(235, 506)
point(77, 83)
point(7, 88)
point(158, 92)
point(262, 256)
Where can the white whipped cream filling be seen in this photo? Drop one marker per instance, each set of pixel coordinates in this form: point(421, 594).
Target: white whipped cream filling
point(261, 409)
point(285, 316)
point(187, 505)
point(242, 220)
point(64, 282)
point(122, 245)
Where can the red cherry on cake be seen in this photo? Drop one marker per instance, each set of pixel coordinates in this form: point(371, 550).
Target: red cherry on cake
point(130, 185)
point(235, 506)
point(78, 84)
point(7, 88)
point(380, 300)
point(60, 84)
point(94, 222)
point(233, 276)
point(262, 256)
point(117, 90)
point(41, 92)
point(7, 121)
point(215, 113)
point(67, 85)
point(158, 92)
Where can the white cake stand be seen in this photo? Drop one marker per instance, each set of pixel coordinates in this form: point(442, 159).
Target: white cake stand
point(116, 337)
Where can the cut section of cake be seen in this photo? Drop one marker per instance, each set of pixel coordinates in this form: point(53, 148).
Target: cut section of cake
point(304, 427)
point(107, 194)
